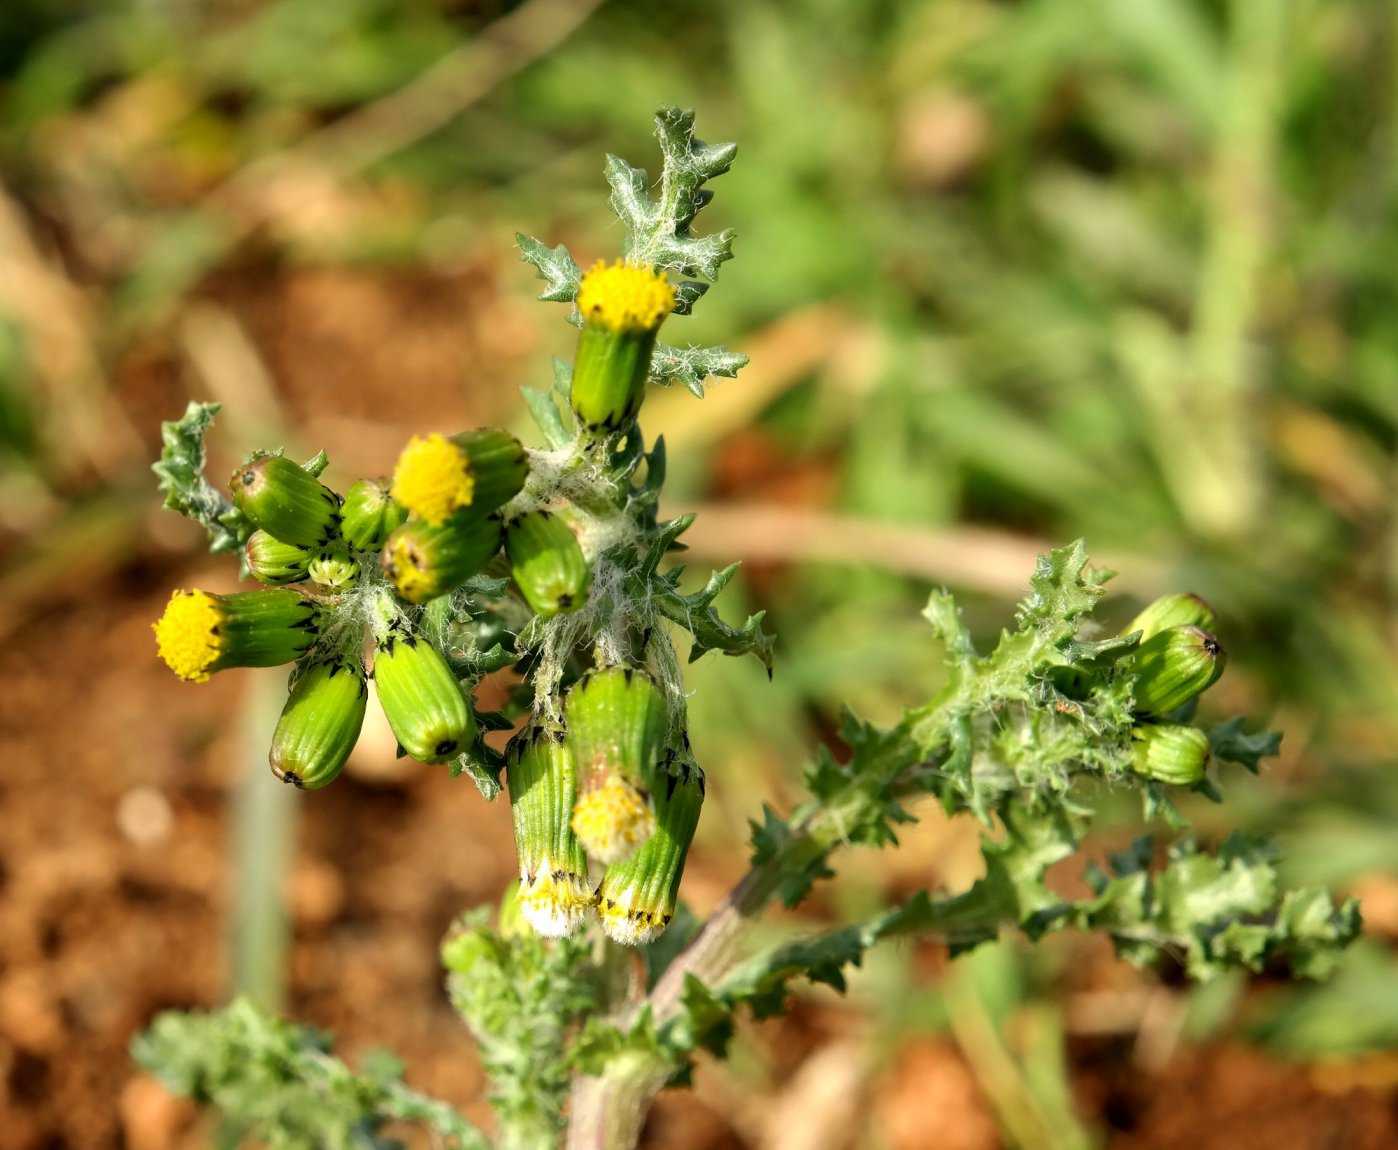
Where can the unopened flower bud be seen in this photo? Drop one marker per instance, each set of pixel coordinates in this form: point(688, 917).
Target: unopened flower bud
point(321, 721)
point(201, 633)
point(616, 732)
point(1179, 610)
point(622, 305)
point(272, 561)
point(424, 561)
point(287, 501)
point(555, 895)
point(369, 514)
point(421, 698)
point(437, 476)
point(1170, 753)
point(1173, 666)
point(547, 563)
point(636, 900)
point(335, 569)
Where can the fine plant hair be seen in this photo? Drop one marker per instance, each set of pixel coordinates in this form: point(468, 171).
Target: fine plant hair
point(1021, 737)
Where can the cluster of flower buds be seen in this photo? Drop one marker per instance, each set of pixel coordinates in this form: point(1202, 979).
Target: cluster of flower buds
point(320, 554)
point(1177, 660)
point(372, 557)
point(603, 787)
point(606, 785)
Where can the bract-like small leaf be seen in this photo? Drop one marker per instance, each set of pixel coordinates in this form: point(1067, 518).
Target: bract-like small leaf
point(556, 267)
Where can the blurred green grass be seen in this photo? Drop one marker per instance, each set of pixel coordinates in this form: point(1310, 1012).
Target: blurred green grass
point(1122, 271)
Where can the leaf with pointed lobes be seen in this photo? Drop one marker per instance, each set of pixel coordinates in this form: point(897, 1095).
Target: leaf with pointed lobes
point(556, 267)
point(180, 470)
point(691, 366)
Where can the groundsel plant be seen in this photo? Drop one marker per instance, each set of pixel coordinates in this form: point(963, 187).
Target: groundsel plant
point(481, 555)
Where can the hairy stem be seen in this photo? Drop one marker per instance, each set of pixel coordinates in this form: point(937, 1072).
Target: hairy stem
point(607, 1112)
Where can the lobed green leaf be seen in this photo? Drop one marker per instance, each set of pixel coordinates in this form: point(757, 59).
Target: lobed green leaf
point(556, 267)
point(181, 473)
point(279, 1082)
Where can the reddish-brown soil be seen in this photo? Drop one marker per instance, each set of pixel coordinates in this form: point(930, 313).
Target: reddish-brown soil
point(115, 880)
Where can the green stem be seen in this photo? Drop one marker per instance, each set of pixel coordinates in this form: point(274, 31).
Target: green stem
point(1221, 487)
point(527, 1132)
point(607, 1111)
point(264, 826)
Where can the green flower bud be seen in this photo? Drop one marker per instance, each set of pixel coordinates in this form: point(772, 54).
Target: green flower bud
point(321, 720)
point(497, 463)
point(272, 561)
point(616, 732)
point(1173, 666)
point(465, 950)
point(480, 470)
point(286, 501)
point(481, 631)
point(334, 569)
point(421, 698)
point(547, 563)
point(623, 306)
point(423, 561)
point(509, 918)
point(1179, 610)
point(369, 515)
point(200, 633)
point(555, 895)
point(636, 900)
point(1170, 753)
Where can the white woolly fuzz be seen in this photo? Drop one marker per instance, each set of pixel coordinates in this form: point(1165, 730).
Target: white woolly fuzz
point(557, 903)
point(629, 924)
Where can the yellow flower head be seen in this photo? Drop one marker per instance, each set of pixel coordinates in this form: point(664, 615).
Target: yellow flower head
point(433, 478)
point(625, 296)
point(612, 820)
point(187, 634)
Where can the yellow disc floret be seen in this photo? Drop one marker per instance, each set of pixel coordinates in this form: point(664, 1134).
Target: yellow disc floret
point(625, 296)
point(433, 478)
point(612, 820)
point(187, 634)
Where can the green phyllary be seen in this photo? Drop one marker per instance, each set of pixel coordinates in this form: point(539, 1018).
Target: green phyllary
point(636, 900)
point(369, 514)
point(438, 476)
point(420, 697)
point(334, 568)
point(287, 501)
point(1174, 666)
point(1182, 609)
point(1170, 753)
point(555, 895)
point(616, 725)
point(547, 563)
point(321, 720)
point(270, 560)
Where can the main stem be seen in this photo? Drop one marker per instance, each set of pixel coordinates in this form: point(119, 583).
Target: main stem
point(608, 1111)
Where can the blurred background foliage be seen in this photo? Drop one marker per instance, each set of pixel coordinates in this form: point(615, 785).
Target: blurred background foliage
point(1009, 273)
